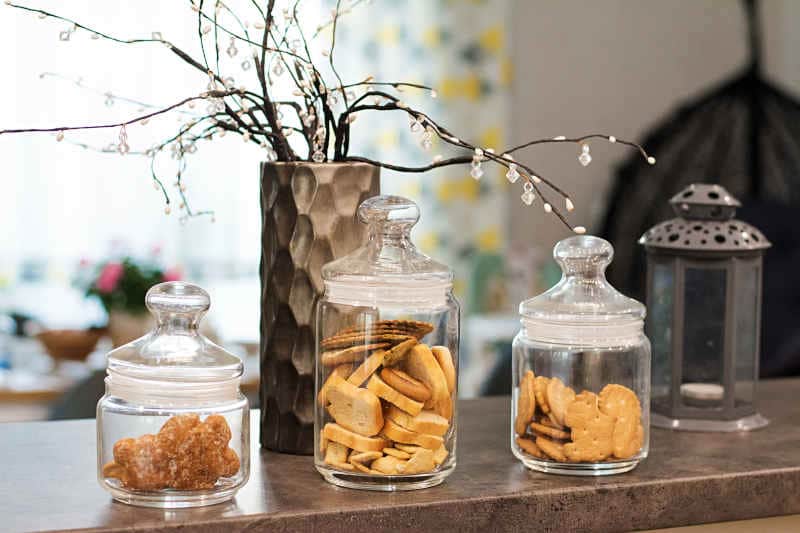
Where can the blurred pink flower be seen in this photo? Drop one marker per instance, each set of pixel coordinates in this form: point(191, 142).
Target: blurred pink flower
point(109, 277)
point(172, 274)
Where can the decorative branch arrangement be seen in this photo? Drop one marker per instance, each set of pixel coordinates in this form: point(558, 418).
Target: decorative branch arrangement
point(320, 113)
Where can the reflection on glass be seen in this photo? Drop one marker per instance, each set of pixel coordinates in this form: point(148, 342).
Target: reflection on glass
point(704, 327)
point(659, 326)
point(746, 332)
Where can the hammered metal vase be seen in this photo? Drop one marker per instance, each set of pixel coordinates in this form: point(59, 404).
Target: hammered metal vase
point(308, 219)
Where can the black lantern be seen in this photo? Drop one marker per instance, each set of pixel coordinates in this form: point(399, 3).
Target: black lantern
point(704, 313)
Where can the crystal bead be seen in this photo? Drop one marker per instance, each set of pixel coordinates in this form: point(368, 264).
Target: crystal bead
point(548, 208)
point(318, 157)
point(156, 35)
point(278, 69)
point(109, 99)
point(528, 197)
point(416, 126)
point(64, 35)
point(512, 175)
point(246, 64)
point(476, 172)
point(585, 158)
point(426, 143)
point(527, 186)
point(232, 50)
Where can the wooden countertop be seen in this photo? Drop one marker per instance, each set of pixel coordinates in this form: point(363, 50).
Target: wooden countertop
point(48, 482)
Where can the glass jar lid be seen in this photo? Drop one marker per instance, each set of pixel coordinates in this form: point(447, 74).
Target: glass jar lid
point(583, 305)
point(388, 267)
point(175, 350)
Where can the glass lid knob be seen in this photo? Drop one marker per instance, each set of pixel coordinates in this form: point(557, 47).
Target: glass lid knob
point(389, 214)
point(583, 255)
point(177, 298)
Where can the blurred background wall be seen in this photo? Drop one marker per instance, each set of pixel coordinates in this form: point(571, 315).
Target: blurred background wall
point(617, 66)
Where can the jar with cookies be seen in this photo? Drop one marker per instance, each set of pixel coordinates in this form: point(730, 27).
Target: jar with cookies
point(387, 360)
point(173, 425)
point(581, 371)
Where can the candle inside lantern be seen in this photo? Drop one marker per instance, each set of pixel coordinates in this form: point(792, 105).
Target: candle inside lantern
point(702, 394)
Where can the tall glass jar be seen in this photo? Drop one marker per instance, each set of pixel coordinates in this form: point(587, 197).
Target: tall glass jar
point(581, 371)
point(387, 360)
point(173, 426)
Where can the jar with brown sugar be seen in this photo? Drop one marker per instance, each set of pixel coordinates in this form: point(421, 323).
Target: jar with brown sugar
point(173, 426)
point(387, 360)
point(581, 371)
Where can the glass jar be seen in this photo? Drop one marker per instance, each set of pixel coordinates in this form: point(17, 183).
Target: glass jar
point(387, 360)
point(581, 371)
point(173, 428)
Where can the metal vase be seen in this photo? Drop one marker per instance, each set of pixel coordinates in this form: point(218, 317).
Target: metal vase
point(308, 215)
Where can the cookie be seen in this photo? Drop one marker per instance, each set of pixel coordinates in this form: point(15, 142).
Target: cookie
point(559, 396)
point(358, 339)
point(367, 368)
point(526, 403)
point(354, 408)
point(394, 452)
point(360, 460)
point(349, 355)
point(387, 465)
point(405, 384)
point(399, 351)
point(336, 453)
point(384, 391)
point(555, 433)
point(337, 434)
point(445, 360)
point(421, 364)
point(621, 403)
point(592, 430)
point(552, 449)
point(425, 422)
point(530, 447)
point(397, 433)
point(337, 374)
point(440, 454)
point(540, 388)
point(421, 462)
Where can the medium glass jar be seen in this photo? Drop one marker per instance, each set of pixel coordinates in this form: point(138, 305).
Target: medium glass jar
point(581, 371)
point(173, 426)
point(387, 360)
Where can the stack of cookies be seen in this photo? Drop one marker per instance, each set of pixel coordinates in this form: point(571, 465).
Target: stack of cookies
point(552, 422)
point(390, 398)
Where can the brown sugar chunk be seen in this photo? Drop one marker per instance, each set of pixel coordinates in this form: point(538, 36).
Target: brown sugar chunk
point(185, 454)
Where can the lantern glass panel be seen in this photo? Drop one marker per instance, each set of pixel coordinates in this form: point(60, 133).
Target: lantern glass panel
point(659, 325)
point(746, 331)
point(704, 334)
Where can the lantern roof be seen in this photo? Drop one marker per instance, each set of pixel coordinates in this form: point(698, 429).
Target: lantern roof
point(705, 223)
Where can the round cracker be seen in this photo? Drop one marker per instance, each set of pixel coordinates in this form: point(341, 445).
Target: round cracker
point(526, 403)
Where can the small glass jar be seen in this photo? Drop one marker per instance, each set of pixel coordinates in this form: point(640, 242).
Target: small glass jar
point(387, 360)
point(173, 428)
point(581, 371)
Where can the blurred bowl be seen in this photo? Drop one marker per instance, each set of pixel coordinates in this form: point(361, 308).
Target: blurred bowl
point(70, 344)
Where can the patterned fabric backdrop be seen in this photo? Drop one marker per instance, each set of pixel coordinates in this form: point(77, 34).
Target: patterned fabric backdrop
point(461, 49)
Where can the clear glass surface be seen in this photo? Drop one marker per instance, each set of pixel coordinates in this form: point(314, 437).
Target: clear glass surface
point(581, 371)
point(387, 360)
point(173, 427)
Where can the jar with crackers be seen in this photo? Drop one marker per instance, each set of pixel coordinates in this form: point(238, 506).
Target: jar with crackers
point(387, 360)
point(581, 371)
point(173, 428)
